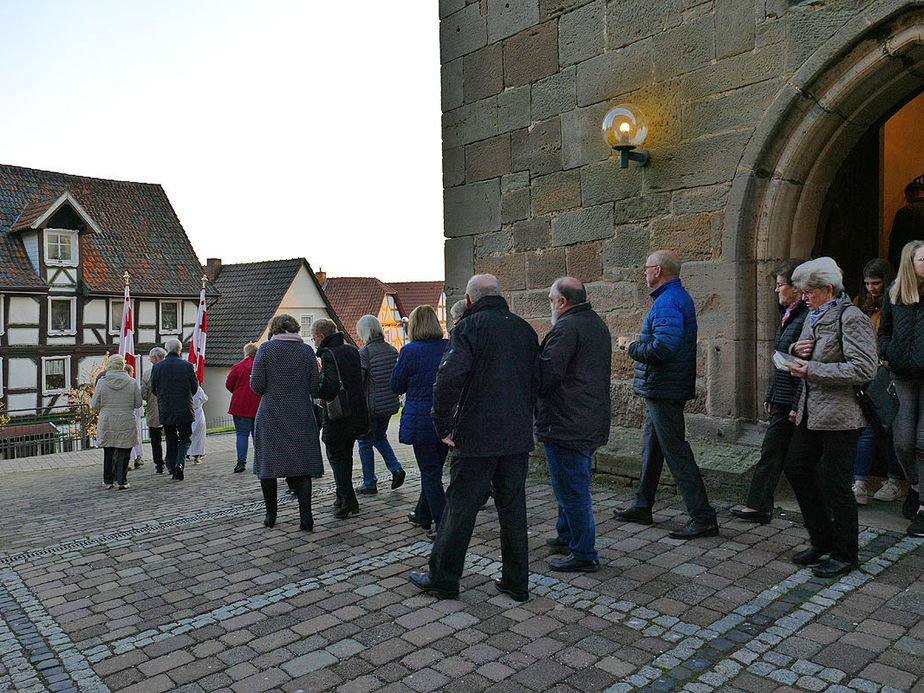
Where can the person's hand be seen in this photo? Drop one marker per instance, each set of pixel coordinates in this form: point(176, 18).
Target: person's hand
point(449, 442)
point(792, 416)
point(622, 343)
point(803, 348)
point(800, 369)
point(768, 407)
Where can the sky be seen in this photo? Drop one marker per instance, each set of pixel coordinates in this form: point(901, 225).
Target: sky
point(277, 128)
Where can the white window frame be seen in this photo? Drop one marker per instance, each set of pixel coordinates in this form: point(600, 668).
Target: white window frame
point(304, 329)
point(179, 317)
point(2, 321)
point(67, 374)
point(54, 262)
point(114, 329)
point(73, 310)
point(1, 376)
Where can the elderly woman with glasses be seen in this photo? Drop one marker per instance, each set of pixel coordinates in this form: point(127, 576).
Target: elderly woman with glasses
point(837, 351)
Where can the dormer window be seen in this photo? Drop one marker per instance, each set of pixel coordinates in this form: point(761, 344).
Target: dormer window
point(60, 247)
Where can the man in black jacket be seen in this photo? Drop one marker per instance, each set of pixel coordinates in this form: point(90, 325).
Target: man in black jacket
point(573, 416)
point(483, 404)
point(174, 382)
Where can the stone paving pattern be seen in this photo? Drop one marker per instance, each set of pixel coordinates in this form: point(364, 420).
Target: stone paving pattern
point(178, 586)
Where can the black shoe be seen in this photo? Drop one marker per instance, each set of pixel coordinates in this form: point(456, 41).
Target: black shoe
point(751, 516)
point(422, 582)
point(916, 528)
point(344, 511)
point(809, 556)
point(239, 467)
point(306, 526)
point(910, 505)
point(158, 470)
point(366, 490)
point(431, 534)
point(139, 464)
point(513, 594)
point(269, 520)
point(397, 478)
point(337, 504)
point(178, 474)
point(558, 546)
point(634, 513)
point(831, 567)
point(695, 529)
point(573, 565)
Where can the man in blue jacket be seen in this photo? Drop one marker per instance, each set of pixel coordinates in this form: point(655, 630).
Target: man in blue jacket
point(665, 375)
point(483, 402)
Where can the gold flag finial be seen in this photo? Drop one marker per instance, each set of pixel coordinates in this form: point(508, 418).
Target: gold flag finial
point(125, 277)
point(205, 279)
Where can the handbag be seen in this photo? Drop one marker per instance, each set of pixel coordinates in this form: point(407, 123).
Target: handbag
point(877, 398)
point(337, 407)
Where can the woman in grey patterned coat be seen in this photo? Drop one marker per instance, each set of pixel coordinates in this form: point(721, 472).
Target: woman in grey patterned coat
point(286, 441)
point(115, 397)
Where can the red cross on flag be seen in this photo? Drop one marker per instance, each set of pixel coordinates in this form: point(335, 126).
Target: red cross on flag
point(197, 343)
point(127, 333)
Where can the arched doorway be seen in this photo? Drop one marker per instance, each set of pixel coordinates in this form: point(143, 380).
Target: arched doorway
point(865, 72)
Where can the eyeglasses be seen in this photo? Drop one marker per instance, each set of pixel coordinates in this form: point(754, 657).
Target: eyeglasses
point(809, 292)
point(780, 285)
point(648, 267)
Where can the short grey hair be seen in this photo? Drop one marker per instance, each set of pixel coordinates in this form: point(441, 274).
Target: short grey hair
point(457, 309)
point(173, 346)
point(368, 327)
point(818, 273)
point(482, 285)
point(668, 260)
point(157, 353)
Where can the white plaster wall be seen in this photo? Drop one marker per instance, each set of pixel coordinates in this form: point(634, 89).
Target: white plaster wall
point(214, 386)
point(23, 335)
point(86, 366)
point(24, 310)
point(22, 373)
point(24, 400)
point(146, 335)
point(147, 312)
point(94, 312)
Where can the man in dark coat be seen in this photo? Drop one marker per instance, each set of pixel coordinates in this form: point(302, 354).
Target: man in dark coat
point(908, 224)
point(174, 382)
point(483, 402)
point(665, 375)
point(573, 416)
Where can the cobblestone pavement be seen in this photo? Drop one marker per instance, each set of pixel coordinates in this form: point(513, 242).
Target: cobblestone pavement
point(178, 586)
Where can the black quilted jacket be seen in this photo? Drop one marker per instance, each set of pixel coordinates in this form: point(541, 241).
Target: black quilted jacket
point(784, 389)
point(378, 359)
point(901, 338)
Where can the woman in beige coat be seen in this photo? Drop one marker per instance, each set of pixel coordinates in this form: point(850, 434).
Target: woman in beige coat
point(840, 347)
point(115, 397)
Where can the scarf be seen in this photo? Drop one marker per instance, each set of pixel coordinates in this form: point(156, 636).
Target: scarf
point(287, 337)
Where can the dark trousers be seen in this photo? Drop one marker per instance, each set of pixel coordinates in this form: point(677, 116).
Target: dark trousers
point(178, 437)
point(340, 456)
point(470, 481)
point(664, 438)
point(430, 460)
point(772, 457)
point(157, 449)
point(115, 465)
point(569, 472)
point(819, 467)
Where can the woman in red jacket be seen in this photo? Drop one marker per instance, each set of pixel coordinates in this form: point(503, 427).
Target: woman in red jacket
point(244, 402)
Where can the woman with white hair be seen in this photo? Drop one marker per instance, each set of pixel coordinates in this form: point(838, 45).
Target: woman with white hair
point(115, 397)
point(377, 359)
point(837, 351)
point(901, 338)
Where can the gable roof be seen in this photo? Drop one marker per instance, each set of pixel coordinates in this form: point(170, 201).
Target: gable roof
point(250, 295)
point(354, 297)
point(413, 294)
point(136, 229)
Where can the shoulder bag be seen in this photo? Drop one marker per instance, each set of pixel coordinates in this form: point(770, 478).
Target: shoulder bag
point(877, 398)
point(337, 408)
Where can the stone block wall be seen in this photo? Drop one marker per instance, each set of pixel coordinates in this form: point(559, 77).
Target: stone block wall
point(532, 192)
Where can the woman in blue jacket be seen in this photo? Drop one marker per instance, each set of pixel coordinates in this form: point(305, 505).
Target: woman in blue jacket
point(415, 374)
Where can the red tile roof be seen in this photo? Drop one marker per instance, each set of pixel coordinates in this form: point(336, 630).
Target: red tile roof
point(413, 294)
point(354, 297)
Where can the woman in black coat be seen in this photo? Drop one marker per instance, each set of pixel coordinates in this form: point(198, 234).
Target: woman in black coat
point(340, 367)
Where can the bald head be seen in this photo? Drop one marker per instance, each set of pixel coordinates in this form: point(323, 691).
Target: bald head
point(481, 285)
point(570, 289)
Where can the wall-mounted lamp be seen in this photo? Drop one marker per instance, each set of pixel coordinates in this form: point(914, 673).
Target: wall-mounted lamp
point(624, 129)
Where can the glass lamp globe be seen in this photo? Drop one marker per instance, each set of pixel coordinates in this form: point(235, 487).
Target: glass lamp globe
point(625, 126)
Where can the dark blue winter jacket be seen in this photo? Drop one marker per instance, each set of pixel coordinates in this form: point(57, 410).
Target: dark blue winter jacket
point(665, 355)
point(415, 374)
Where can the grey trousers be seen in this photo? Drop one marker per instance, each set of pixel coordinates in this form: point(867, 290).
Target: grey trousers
point(908, 430)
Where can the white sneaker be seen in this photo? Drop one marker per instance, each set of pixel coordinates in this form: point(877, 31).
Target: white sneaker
point(859, 492)
point(891, 490)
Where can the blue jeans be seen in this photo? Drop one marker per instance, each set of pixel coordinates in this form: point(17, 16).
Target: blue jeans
point(664, 439)
point(866, 453)
point(243, 428)
point(430, 460)
point(569, 471)
point(379, 441)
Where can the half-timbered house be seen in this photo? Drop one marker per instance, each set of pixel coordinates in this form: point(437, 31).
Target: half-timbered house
point(65, 242)
point(354, 297)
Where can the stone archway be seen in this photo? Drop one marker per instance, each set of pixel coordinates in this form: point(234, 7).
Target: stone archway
point(865, 71)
